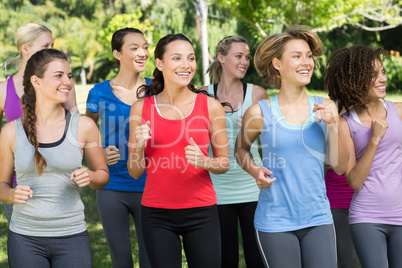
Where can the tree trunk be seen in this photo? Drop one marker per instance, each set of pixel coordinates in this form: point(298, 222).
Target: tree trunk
point(202, 14)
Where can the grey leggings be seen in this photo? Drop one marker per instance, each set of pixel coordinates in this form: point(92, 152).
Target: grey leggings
point(344, 244)
point(378, 245)
point(114, 209)
point(312, 247)
point(45, 252)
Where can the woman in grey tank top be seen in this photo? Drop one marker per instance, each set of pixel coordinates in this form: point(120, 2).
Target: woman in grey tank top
point(45, 148)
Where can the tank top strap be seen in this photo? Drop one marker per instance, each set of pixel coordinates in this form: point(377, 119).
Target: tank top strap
point(318, 99)
point(201, 106)
point(148, 81)
point(146, 109)
point(248, 98)
point(211, 90)
point(72, 131)
point(266, 111)
point(391, 109)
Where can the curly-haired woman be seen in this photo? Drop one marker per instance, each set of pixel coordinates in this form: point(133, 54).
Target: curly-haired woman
point(372, 129)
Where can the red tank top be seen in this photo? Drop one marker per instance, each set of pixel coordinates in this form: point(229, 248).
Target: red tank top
point(173, 183)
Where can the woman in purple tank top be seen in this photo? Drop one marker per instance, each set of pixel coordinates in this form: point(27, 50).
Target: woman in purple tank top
point(29, 39)
point(371, 128)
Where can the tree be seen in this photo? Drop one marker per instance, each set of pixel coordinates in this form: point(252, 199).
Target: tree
point(268, 17)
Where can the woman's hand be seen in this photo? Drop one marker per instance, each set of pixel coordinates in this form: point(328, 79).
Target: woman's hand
point(82, 177)
point(112, 155)
point(143, 134)
point(195, 156)
point(325, 113)
point(21, 194)
point(378, 129)
point(240, 121)
point(263, 178)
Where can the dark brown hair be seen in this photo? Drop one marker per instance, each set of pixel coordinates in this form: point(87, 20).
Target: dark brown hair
point(350, 74)
point(36, 66)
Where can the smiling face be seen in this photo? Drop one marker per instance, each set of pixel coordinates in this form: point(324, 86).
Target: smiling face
point(237, 60)
point(296, 65)
point(134, 52)
point(56, 82)
point(43, 41)
point(178, 65)
point(378, 89)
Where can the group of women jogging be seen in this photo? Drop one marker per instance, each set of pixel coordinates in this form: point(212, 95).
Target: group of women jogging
point(185, 162)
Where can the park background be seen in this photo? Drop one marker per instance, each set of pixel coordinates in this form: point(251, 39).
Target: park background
point(83, 30)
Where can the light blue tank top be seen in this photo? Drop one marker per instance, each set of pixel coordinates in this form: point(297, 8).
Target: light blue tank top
point(295, 155)
point(236, 185)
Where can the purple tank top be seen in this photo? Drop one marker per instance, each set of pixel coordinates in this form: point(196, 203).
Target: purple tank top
point(339, 192)
point(12, 105)
point(380, 198)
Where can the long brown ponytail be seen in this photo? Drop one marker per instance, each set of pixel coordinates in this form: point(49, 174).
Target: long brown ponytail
point(36, 66)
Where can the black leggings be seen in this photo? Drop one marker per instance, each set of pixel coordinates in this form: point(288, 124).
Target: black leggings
point(229, 218)
point(199, 228)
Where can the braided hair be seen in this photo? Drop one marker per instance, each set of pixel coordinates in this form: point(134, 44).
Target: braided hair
point(36, 66)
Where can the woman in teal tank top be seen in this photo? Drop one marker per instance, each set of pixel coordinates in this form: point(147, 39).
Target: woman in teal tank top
point(293, 221)
point(236, 191)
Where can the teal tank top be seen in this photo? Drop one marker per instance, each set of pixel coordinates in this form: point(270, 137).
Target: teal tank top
point(295, 155)
point(236, 185)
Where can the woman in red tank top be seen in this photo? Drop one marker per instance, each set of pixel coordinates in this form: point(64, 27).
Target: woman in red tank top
point(170, 131)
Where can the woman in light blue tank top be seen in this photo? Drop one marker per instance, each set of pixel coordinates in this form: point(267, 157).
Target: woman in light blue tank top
point(45, 147)
point(372, 130)
point(236, 191)
point(293, 221)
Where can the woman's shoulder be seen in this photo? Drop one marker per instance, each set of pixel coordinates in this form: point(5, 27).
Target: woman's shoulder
point(8, 132)
point(259, 93)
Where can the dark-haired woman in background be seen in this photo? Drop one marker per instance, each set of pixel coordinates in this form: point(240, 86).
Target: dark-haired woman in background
point(372, 130)
point(45, 147)
point(170, 131)
point(111, 101)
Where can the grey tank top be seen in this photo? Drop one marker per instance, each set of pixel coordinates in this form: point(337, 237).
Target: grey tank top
point(55, 208)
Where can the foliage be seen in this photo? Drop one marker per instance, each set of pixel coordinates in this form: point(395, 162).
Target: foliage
point(393, 71)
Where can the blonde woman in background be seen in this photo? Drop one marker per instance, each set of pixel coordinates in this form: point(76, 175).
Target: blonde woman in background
point(236, 190)
point(29, 39)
